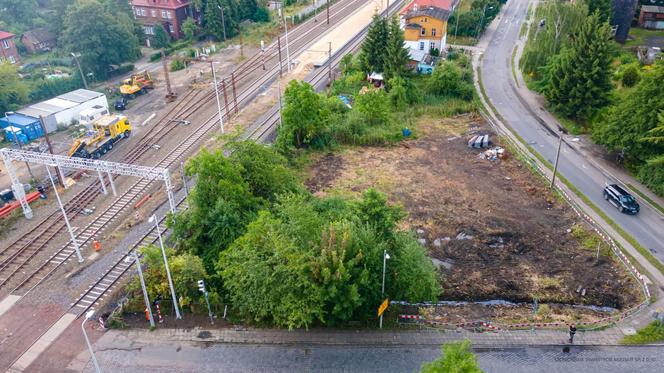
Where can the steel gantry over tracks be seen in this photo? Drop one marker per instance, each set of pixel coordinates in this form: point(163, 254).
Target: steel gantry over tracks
point(101, 167)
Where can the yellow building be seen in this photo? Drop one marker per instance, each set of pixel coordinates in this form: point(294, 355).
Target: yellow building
point(425, 27)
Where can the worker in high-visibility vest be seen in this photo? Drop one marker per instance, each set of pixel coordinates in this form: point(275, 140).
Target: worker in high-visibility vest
point(96, 244)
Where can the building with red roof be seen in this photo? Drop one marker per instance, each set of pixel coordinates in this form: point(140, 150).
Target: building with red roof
point(169, 14)
point(8, 50)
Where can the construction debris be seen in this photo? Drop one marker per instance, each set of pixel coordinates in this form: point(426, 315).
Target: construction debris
point(493, 153)
point(479, 142)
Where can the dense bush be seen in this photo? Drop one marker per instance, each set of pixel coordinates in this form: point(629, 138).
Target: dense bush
point(320, 261)
point(177, 64)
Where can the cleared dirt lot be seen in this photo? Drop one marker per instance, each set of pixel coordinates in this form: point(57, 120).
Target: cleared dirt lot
point(492, 227)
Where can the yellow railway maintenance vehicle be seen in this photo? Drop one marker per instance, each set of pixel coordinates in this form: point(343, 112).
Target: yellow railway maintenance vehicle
point(105, 132)
point(136, 84)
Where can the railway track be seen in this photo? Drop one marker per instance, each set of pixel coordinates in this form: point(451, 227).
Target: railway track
point(113, 212)
point(16, 257)
point(94, 294)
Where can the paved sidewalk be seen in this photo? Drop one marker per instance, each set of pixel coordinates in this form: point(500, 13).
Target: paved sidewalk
point(497, 339)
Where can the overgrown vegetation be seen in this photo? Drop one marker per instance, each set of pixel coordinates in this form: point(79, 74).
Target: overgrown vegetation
point(652, 333)
point(471, 20)
point(595, 86)
point(456, 358)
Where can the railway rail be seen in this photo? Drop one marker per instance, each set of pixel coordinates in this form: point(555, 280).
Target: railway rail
point(15, 258)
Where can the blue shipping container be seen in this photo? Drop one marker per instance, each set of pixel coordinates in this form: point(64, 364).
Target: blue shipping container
point(30, 127)
point(10, 132)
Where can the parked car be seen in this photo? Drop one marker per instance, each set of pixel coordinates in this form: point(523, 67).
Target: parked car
point(620, 198)
point(121, 104)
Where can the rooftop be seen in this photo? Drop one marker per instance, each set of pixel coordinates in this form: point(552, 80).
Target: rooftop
point(652, 9)
point(442, 4)
point(39, 35)
point(6, 35)
point(167, 4)
point(431, 11)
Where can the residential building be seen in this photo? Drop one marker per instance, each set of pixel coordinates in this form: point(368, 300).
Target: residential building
point(169, 14)
point(652, 17)
point(38, 40)
point(425, 26)
point(8, 50)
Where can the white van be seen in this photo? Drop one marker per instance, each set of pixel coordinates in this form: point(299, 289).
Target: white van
point(89, 115)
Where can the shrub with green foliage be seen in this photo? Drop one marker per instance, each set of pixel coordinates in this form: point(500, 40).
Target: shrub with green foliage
point(310, 261)
point(448, 79)
point(304, 117)
point(456, 358)
point(631, 75)
point(177, 64)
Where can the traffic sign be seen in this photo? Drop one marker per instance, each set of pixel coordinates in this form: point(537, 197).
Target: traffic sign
point(383, 307)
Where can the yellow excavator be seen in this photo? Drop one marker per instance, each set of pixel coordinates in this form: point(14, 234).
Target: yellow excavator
point(136, 84)
point(105, 132)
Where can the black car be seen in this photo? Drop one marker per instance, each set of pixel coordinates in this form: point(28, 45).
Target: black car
point(121, 104)
point(620, 198)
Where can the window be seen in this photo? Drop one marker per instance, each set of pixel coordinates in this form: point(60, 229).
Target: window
point(421, 45)
point(170, 29)
point(153, 12)
point(425, 19)
point(433, 32)
point(12, 59)
point(140, 12)
point(149, 30)
point(168, 14)
point(163, 14)
point(423, 31)
point(5, 44)
point(432, 45)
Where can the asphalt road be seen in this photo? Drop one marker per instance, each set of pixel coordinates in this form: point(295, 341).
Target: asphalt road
point(165, 356)
point(647, 227)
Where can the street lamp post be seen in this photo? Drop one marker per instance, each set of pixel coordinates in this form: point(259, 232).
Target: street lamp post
point(88, 315)
point(64, 214)
point(216, 94)
point(85, 82)
point(154, 219)
point(386, 256)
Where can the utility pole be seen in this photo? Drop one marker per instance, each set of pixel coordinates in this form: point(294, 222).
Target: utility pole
point(169, 95)
point(85, 82)
point(555, 166)
point(216, 95)
point(329, 63)
point(148, 307)
point(456, 27)
point(239, 28)
point(201, 288)
point(263, 53)
point(184, 179)
point(288, 60)
point(88, 316)
point(279, 48)
point(77, 248)
point(328, 11)
point(387, 10)
point(50, 150)
point(168, 271)
point(223, 24)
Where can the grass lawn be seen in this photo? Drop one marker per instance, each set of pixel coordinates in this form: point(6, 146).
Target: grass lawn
point(461, 40)
point(652, 333)
point(640, 35)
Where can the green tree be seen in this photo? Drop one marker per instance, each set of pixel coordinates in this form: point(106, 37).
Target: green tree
point(604, 7)
point(186, 270)
point(396, 55)
point(99, 36)
point(304, 116)
point(374, 45)
point(189, 28)
point(263, 168)
point(13, 90)
point(580, 80)
point(456, 358)
point(448, 79)
point(20, 15)
point(561, 19)
point(220, 207)
point(374, 106)
point(629, 122)
point(161, 38)
point(212, 19)
point(398, 94)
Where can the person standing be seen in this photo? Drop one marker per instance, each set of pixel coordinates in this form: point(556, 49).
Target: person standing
point(572, 331)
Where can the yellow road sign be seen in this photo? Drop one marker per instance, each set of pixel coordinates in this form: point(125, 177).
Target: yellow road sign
point(383, 307)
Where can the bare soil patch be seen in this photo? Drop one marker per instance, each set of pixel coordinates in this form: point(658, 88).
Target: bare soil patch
point(494, 230)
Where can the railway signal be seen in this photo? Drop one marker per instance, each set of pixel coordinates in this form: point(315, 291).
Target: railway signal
point(201, 288)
